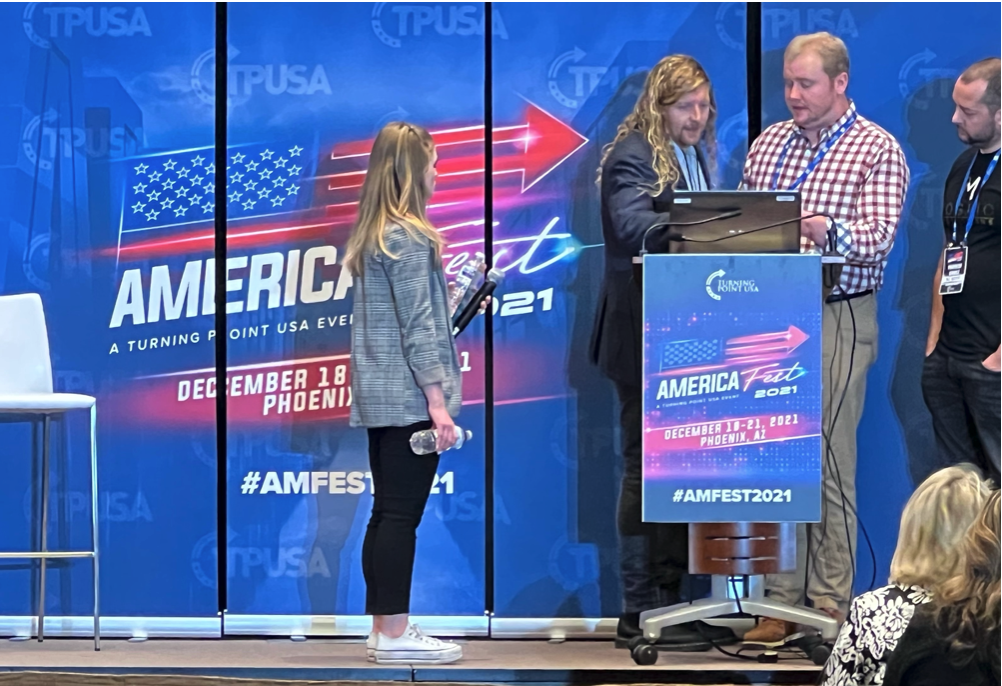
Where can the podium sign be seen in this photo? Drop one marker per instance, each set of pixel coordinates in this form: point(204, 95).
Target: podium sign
point(732, 388)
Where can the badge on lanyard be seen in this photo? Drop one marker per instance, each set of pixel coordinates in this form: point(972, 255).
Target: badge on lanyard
point(955, 255)
point(954, 269)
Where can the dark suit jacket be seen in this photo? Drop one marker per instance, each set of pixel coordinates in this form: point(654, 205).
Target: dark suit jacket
point(627, 213)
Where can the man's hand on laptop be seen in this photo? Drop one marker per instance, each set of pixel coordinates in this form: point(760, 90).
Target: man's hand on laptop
point(814, 229)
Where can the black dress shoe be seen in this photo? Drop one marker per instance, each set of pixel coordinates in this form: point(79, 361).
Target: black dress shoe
point(721, 635)
point(676, 638)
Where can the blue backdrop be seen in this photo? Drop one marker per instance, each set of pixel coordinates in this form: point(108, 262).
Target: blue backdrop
point(106, 209)
point(88, 91)
point(431, 73)
point(905, 58)
point(556, 465)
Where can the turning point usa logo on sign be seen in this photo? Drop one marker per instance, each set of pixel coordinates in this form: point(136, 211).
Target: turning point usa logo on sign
point(443, 20)
point(716, 284)
point(59, 20)
point(246, 80)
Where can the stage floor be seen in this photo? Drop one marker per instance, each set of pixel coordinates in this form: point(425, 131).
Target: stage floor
point(327, 660)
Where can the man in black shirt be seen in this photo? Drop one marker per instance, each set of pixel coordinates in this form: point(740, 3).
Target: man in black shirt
point(960, 377)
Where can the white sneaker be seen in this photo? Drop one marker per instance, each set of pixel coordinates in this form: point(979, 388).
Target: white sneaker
point(414, 646)
point(370, 647)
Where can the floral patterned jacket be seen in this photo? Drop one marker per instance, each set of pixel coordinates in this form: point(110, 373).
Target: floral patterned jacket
point(877, 620)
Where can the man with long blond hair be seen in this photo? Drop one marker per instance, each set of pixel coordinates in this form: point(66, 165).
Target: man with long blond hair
point(666, 143)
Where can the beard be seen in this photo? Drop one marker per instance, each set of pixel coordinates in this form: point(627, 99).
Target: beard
point(979, 137)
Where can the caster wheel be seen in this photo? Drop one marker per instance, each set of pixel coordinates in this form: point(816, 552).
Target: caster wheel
point(636, 642)
point(645, 655)
point(820, 654)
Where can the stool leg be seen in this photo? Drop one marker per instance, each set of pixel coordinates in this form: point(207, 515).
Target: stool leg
point(94, 531)
point(45, 527)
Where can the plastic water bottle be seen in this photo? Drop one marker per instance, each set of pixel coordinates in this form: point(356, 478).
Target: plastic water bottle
point(423, 442)
point(462, 290)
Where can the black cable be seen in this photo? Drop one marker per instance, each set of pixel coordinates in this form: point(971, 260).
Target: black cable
point(852, 507)
point(734, 589)
point(738, 654)
point(697, 222)
point(749, 231)
point(833, 464)
point(812, 563)
point(845, 502)
point(831, 453)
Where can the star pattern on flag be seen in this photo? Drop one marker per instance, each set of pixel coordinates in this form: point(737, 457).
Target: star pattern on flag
point(260, 178)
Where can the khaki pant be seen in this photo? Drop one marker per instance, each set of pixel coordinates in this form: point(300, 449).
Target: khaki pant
point(823, 550)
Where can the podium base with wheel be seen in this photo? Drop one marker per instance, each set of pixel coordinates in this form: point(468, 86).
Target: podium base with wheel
point(738, 556)
point(722, 602)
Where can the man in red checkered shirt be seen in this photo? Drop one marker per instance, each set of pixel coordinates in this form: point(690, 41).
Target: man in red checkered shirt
point(853, 174)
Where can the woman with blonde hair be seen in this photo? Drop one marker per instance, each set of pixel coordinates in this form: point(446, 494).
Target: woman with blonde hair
point(933, 525)
point(405, 376)
point(955, 639)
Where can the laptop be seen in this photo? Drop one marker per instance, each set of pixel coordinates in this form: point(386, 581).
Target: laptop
point(732, 222)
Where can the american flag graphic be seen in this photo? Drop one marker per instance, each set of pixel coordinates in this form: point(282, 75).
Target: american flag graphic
point(179, 187)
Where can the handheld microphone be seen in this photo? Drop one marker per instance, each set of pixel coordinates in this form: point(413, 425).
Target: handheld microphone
point(491, 281)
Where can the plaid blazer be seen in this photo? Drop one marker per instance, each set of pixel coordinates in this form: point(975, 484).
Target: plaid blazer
point(401, 335)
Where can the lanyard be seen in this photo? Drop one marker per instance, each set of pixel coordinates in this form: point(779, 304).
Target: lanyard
point(977, 195)
point(820, 155)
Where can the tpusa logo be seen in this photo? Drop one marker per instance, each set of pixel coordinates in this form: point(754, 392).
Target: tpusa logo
point(731, 24)
point(245, 562)
point(781, 24)
point(44, 134)
point(112, 506)
point(570, 82)
point(246, 80)
point(919, 76)
point(67, 21)
point(717, 284)
point(443, 20)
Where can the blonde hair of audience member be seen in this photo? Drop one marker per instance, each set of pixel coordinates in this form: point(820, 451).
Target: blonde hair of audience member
point(968, 606)
point(668, 81)
point(397, 187)
point(933, 525)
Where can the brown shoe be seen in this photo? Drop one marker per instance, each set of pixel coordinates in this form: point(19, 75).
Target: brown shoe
point(769, 630)
point(834, 614)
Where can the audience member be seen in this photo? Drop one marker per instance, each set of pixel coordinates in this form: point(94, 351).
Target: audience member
point(955, 639)
point(933, 525)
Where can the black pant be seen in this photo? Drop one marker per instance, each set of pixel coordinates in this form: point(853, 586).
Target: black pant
point(402, 482)
point(653, 557)
point(964, 400)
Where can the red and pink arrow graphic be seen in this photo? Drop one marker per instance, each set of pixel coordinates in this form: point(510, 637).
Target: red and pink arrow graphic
point(532, 150)
point(757, 348)
point(778, 342)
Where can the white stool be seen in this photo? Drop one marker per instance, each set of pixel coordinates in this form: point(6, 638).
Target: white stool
point(26, 392)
